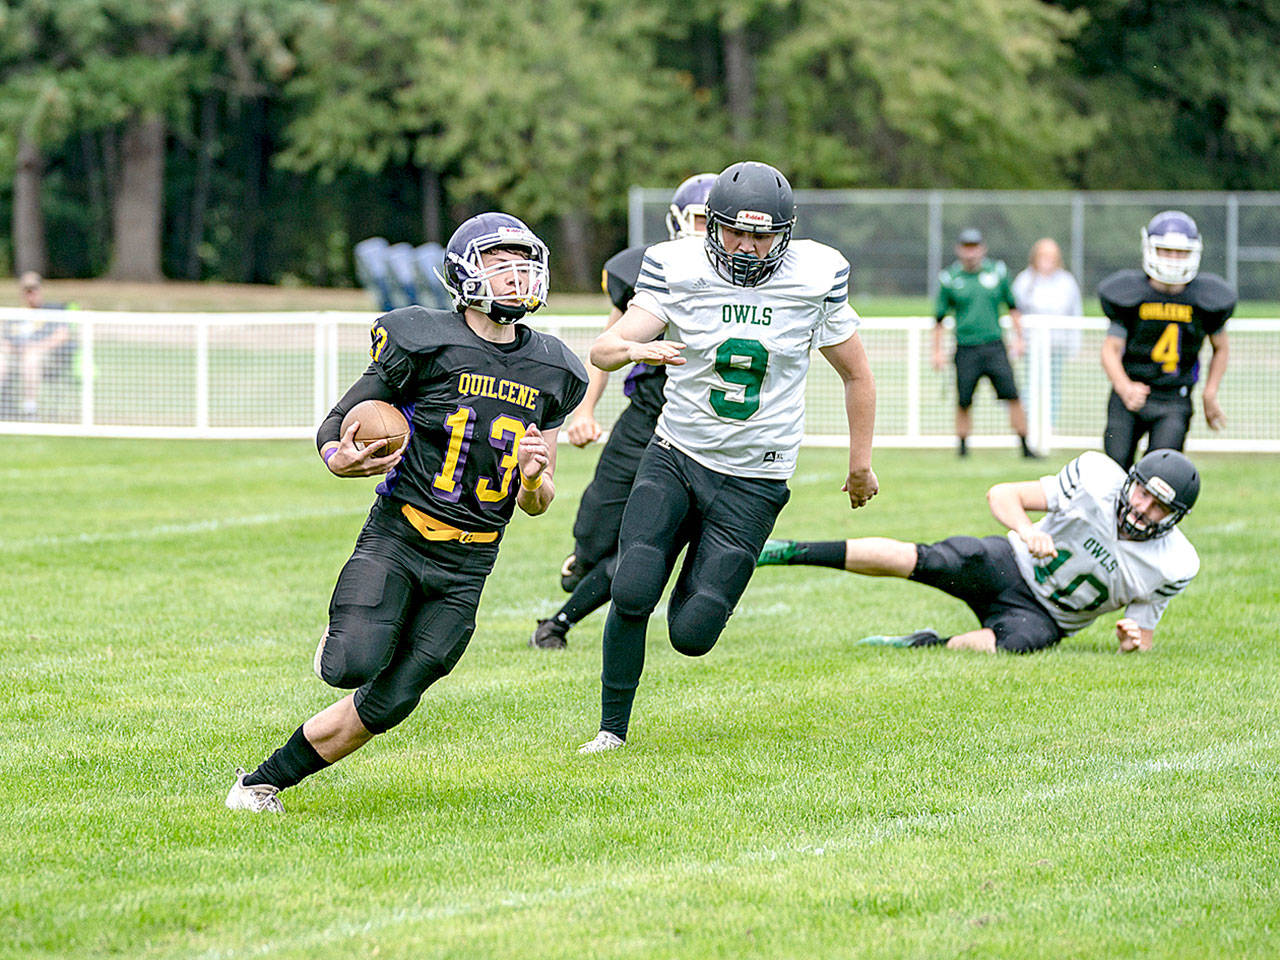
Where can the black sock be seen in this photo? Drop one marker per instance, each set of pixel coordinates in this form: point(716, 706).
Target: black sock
point(623, 663)
point(820, 553)
point(1025, 448)
point(591, 593)
point(288, 765)
point(964, 447)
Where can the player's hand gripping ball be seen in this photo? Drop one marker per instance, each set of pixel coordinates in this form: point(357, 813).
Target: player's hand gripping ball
point(379, 420)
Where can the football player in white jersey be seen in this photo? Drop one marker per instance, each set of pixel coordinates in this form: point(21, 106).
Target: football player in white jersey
point(741, 311)
point(1107, 541)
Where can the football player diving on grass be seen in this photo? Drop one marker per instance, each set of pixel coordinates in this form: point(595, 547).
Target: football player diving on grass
point(588, 571)
point(1107, 541)
point(484, 395)
point(1160, 317)
point(741, 309)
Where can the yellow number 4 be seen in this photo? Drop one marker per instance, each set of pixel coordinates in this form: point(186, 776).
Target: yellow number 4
point(1165, 352)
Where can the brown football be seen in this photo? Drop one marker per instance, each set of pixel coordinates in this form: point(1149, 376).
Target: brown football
point(378, 420)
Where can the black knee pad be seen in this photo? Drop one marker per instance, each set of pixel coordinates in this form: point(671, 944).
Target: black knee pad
point(696, 624)
point(388, 702)
point(638, 581)
point(347, 662)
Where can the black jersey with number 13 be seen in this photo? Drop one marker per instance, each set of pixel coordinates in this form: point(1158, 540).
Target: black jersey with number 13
point(469, 403)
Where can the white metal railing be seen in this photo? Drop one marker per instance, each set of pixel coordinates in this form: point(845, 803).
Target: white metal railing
point(276, 375)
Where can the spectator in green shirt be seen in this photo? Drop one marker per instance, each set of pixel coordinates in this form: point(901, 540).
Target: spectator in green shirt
point(973, 290)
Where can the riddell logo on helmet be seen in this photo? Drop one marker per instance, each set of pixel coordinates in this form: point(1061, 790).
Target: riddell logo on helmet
point(753, 219)
point(1159, 489)
point(511, 233)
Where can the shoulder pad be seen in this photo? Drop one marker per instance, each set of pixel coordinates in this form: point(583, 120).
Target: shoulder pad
point(625, 264)
point(621, 271)
point(418, 329)
point(1125, 288)
point(1210, 292)
point(554, 351)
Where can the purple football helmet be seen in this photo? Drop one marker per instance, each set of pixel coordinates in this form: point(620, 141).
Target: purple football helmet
point(469, 280)
point(1169, 231)
point(689, 201)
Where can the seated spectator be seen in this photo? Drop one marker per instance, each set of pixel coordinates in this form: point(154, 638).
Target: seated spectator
point(31, 349)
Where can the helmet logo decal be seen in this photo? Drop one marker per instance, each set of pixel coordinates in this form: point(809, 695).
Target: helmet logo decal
point(753, 220)
point(1160, 490)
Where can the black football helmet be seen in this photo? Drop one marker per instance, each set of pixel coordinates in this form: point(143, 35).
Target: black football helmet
point(467, 278)
point(755, 198)
point(1169, 477)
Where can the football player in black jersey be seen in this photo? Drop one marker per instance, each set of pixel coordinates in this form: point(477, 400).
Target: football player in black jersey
point(588, 571)
point(1160, 317)
point(484, 396)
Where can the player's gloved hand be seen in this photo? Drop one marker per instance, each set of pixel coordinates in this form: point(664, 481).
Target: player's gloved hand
point(1039, 543)
point(1129, 634)
point(1133, 395)
point(583, 429)
point(656, 352)
point(1213, 414)
point(532, 456)
point(861, 485)
point(372, 461)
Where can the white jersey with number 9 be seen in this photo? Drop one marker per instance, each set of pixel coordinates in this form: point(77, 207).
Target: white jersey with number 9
point(737, 405)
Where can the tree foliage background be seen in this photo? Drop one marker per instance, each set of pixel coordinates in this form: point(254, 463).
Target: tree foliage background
point(257, 140)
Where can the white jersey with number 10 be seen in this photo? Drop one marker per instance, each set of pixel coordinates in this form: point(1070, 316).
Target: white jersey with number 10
point(737, 405)
point(1095, 571)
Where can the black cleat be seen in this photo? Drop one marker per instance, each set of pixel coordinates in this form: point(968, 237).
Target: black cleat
point(550, 635)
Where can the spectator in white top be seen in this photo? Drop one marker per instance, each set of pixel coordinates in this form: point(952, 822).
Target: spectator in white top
point(1046, 287)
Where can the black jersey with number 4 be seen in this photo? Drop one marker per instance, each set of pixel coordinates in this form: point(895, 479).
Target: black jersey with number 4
point(469, 403)
point(1164, 331)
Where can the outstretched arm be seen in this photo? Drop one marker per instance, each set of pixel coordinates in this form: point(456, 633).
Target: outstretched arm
point(1133, 637)
point(1009, 503)
point(583, 427)
point(1213, 414)
point(1131, 393)
point(632, 339)
point(849, 359)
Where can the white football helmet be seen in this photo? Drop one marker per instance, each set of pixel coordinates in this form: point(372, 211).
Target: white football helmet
point(1171, 230)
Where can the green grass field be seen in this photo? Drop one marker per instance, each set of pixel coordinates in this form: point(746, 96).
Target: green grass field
point(790, 795)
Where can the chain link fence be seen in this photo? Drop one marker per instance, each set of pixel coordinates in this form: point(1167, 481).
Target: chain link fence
point(898, 240)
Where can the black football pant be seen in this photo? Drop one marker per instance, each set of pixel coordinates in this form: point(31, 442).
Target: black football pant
point(1165, 420)
point(724, 520)
point(402, 613)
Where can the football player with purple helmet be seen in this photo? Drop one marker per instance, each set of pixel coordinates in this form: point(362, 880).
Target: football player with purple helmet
point(485, 396)
point(1160, 317)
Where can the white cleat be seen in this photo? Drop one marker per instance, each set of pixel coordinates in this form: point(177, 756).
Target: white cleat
point(604, 740)
point(257, 798)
